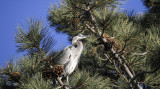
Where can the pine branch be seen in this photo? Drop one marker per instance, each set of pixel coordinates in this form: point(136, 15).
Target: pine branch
point(117, 57)
point(34, 38)
point(120, 72)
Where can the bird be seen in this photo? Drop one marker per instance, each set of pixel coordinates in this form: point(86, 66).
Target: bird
point(69, 57)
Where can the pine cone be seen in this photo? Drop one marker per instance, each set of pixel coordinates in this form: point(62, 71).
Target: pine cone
point(58, 70)
point(47, 74)
point(15, 76)
point(110, 42)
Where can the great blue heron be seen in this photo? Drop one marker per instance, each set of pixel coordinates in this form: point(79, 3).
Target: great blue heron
point(69, 57)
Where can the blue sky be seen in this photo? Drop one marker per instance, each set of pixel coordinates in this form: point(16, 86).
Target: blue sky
point(14, 12)
point(135, 5)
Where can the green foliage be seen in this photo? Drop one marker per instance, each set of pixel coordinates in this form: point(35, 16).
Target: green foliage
point(125, 27)
point(152, 17)
point(92, 59)
point(34, 40)
point(153, 80)
point(131, 37)
point(12, 66)
point(33, 37)
point(27, 67)
point(36, 82)
point(30, 66)
point(7, 81)
point(86, 80)
point(151, 3)
point(72, 16)
point(3, 84)
point(135, 40)
point(147, 3)
point(122, 84)
point(153, 46)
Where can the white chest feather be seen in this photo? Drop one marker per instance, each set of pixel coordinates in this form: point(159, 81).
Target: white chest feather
point(70, 66)
point(71, 60)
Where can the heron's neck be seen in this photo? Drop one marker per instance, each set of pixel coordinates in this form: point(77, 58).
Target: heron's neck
point(74, 40)
point(78, 48)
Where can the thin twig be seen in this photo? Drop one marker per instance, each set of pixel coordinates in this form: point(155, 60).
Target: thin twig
point(139, 54)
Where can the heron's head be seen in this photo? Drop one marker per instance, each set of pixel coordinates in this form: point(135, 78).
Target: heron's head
point(78, 37)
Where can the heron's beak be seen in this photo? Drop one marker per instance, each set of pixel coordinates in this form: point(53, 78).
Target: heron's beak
point(84, 36)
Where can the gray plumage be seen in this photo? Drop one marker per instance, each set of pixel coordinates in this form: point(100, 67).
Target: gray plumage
point(69, 57)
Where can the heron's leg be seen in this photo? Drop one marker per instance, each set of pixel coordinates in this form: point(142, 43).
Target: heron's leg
point(54, 80)
point(59, 81)
point(67, 80)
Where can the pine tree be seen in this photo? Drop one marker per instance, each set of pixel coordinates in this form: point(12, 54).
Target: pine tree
point(118, 47)
point(118, 53)
point(34, 41)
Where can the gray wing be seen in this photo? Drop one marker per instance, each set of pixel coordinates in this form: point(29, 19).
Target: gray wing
point(65, 56)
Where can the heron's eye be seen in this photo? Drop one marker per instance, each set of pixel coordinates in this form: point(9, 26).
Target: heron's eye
point(80, 35)
point(75, 45)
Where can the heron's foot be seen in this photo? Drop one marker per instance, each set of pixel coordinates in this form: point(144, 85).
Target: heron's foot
point(66, 86)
